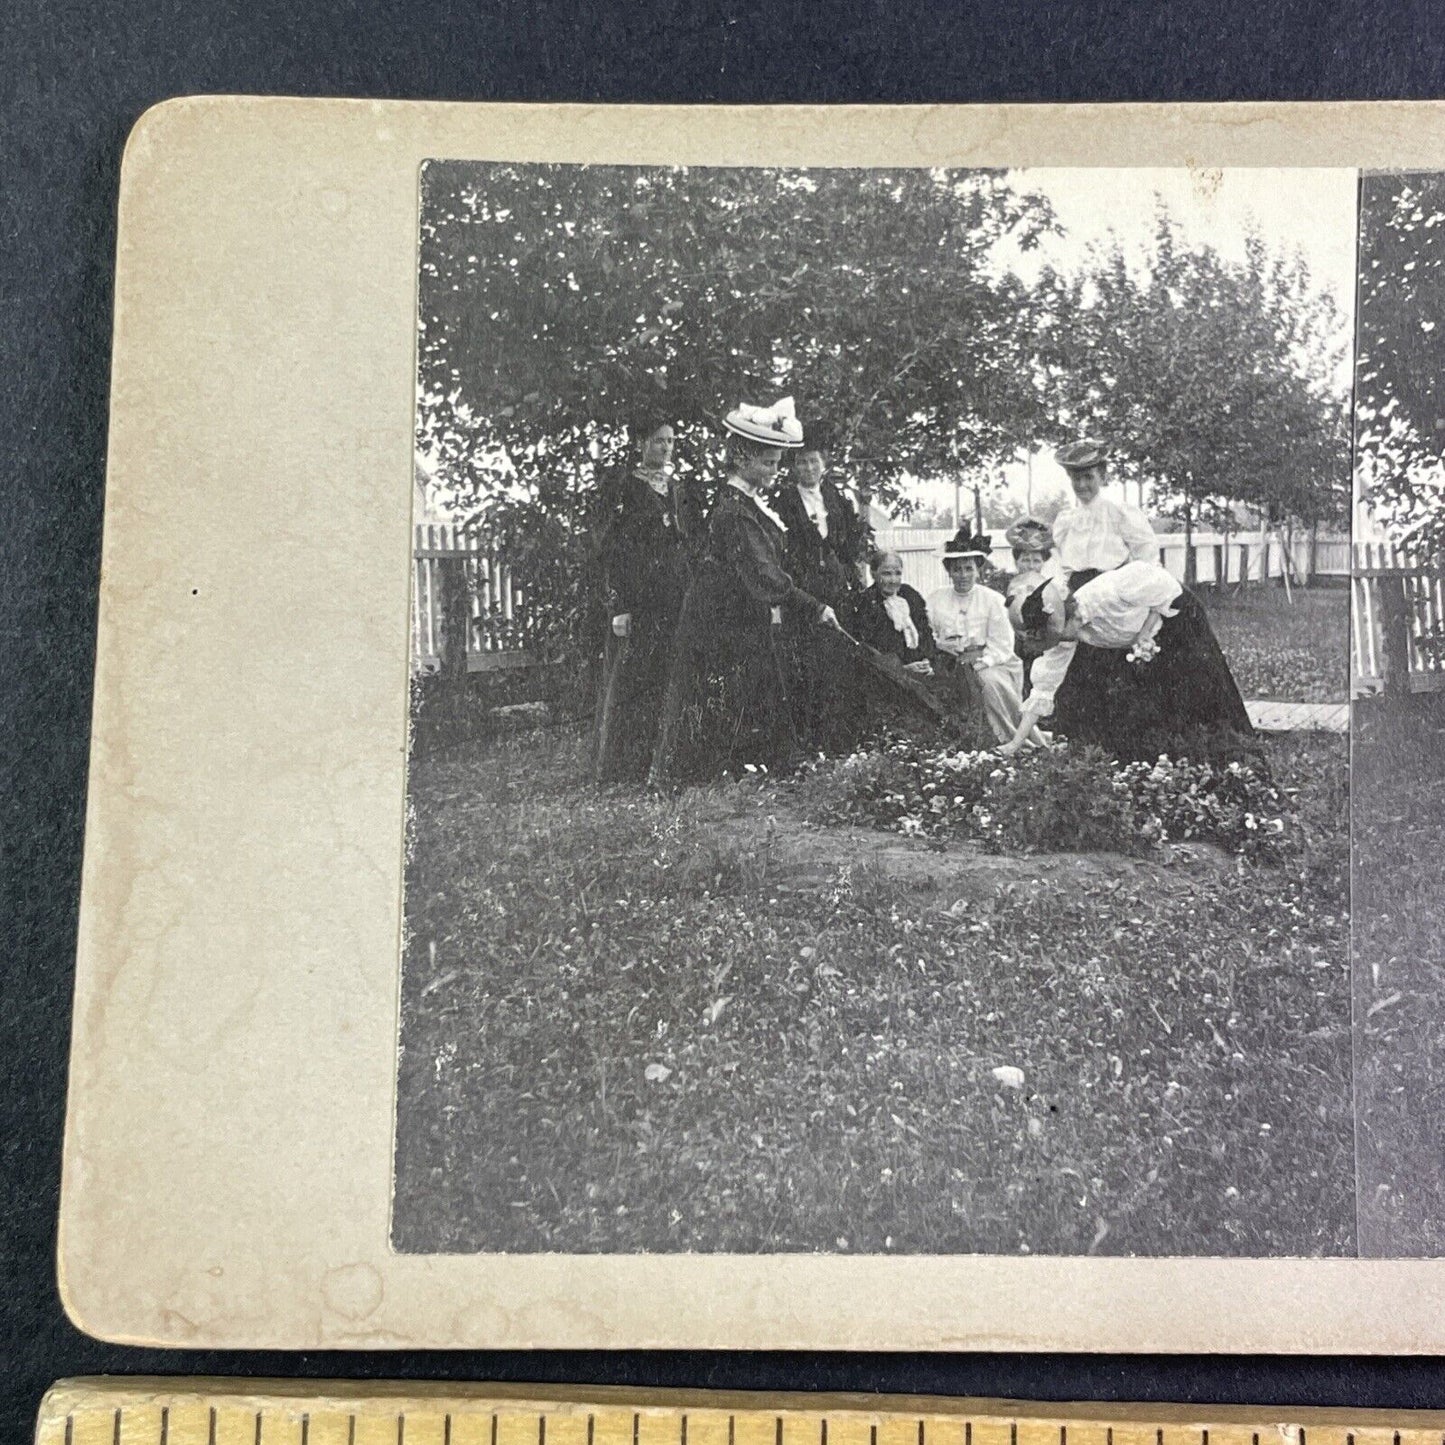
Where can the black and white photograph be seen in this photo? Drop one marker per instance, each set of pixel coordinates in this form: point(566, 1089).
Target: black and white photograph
point(881, 673)
point(1398, 812)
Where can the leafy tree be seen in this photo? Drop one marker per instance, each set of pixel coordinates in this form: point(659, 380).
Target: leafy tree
point(1215, 380)
point(1399, 411)
point(556, 300)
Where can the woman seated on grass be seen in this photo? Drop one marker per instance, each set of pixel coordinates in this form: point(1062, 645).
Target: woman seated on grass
point(891, 617)
point(1166, 676)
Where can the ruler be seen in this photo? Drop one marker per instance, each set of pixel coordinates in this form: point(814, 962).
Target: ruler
point(193, 1411)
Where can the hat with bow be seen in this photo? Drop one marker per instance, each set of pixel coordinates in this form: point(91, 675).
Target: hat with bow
point(965, 543)
point(772, 426)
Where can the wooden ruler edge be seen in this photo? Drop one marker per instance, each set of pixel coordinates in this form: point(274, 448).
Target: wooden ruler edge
point(82, 1393)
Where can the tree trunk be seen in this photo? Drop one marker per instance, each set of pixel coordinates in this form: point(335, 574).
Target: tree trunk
point(1395, 633)
point(455, 616)
point(1191, 572)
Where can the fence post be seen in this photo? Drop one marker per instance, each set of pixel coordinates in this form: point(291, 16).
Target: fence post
point(1395, 634)
point(455, 615)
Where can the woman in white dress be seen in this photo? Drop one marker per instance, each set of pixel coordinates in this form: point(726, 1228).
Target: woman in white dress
point(973, 636)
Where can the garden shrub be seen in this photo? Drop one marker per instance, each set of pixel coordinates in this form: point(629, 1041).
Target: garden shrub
point(1059, 800)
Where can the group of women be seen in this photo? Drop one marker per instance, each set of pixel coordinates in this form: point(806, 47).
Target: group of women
point(757, 635)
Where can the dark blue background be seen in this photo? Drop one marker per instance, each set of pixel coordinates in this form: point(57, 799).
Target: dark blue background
point(74, 75)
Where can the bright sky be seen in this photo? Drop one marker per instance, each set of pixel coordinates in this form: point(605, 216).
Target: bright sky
point(1310, 211)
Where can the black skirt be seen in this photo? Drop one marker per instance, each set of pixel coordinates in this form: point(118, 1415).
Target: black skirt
point(1183, 701)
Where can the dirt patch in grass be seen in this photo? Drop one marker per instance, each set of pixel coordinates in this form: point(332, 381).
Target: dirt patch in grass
point(805, 854)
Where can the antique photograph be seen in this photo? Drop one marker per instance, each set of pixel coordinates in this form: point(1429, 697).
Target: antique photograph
point(1398, 803)
point(878, 772)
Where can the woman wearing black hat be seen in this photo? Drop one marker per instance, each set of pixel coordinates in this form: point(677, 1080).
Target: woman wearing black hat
point(972, 632)
point(645, 574)
point(726, 686)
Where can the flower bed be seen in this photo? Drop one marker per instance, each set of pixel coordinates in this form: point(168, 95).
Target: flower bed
point(1056, 800)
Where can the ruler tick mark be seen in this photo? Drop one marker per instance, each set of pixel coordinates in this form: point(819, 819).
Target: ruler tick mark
point(541, 1430)
point(305, 1428)
point(636, 1427)
point(69, 1430)
point(778, 1430)
point(823, 1431)
point(166, 1425)
point(447, 1428)
point(258, 1427)
point(351, 1430)
point(732, 1429)
point(400, 1429)
point(211, 1428)
point(1063, 1435)
point(589, 1429)
point(115, 1432)
point(494, 1430)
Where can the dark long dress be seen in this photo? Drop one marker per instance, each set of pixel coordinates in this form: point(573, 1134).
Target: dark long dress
point(825, 566)
point(727, 694)
point(1183, 700)
point(645, 575)
point(869, 622)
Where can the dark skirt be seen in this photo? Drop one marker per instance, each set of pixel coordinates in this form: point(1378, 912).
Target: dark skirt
point(1184, 700)
point(630, 699)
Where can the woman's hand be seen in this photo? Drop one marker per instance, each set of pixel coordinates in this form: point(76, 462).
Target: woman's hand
point(923, 668)
point(622, 624)
point(828, 618)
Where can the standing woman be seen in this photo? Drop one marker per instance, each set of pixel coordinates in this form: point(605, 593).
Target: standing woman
point(1097, 533)
point(826, 538)
point(645, 575)
point(737, 600)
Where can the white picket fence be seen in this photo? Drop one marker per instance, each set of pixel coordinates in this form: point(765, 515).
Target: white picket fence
point(499, 627)
point(1239, 556)
point(1415, 609)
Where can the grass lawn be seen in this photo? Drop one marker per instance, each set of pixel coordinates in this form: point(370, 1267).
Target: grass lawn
point(700, 1023)
point(1399, 902)
point(1285, 651)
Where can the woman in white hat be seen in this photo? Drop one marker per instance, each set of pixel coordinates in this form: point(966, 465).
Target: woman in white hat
point(971, 627)
point(737, 600)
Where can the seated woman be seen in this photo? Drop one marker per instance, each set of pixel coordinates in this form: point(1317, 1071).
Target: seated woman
point(1032, 543)
point(975, 642)
point(1167, 676)
point(891, 617)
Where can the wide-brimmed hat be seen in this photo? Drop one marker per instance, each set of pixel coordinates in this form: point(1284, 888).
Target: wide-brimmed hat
point(772, 426)
point(1081, 455)
point(1029, 532)
point(965, 543)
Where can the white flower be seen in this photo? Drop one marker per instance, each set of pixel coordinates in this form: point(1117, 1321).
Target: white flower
point(1009, 1076)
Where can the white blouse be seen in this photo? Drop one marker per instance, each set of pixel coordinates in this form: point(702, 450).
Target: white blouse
point(1103, 534)
point(816, 508)
point(1115, 605)
point(966, 621)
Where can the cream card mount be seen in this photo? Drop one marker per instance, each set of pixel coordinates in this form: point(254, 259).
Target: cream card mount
point(239, 1129)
